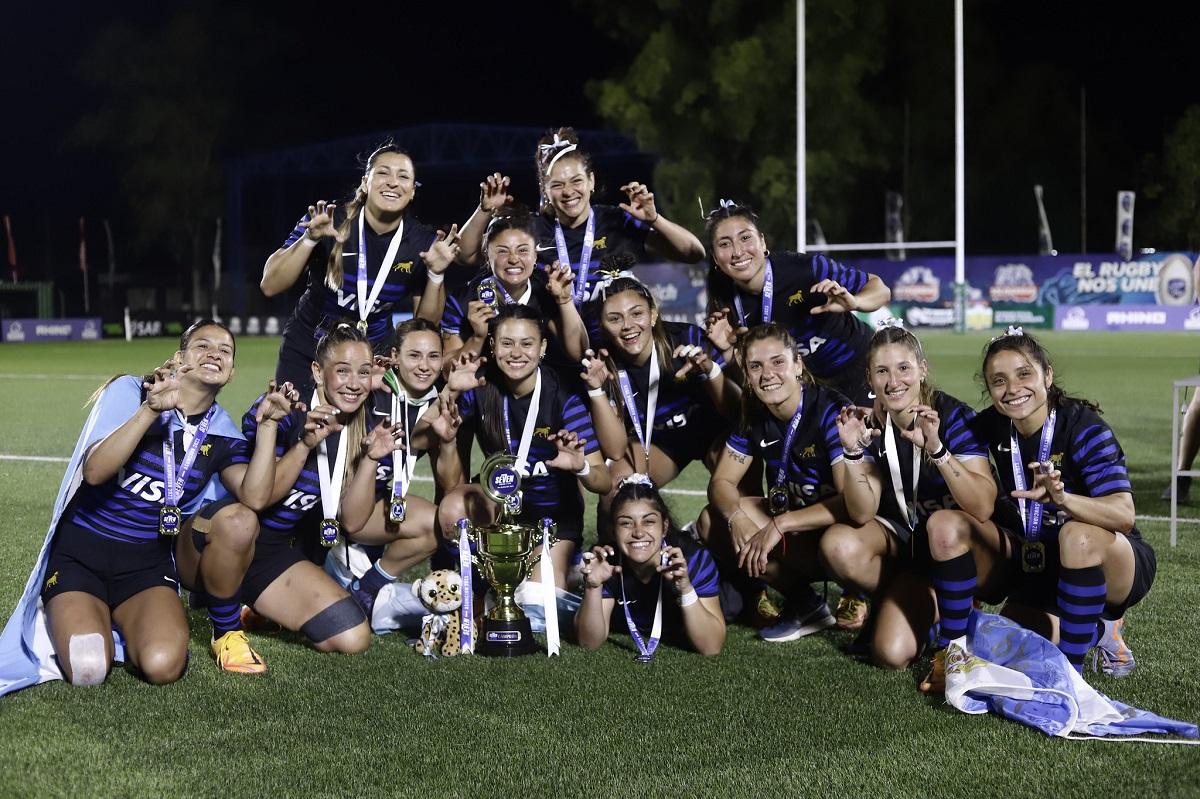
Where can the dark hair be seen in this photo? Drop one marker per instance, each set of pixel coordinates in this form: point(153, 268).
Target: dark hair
point(333, 268)
point(548, 149)
point(636, 491)
point(660, 338)
point(186, 338)
point(510, 216)
point(886, 336)
point(752, 407)
point(1032, 349)
point(491, 394)
point(720, 285)
point(414, 325)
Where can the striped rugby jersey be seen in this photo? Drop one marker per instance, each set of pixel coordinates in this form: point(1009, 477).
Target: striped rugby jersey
point(615, 231)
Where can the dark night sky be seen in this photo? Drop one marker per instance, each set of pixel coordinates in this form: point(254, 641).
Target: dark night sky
point(513, 63)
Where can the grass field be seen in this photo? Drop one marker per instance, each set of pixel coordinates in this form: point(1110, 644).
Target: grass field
point(798, 719)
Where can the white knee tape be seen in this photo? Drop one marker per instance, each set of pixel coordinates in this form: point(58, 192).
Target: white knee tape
point(89, 665)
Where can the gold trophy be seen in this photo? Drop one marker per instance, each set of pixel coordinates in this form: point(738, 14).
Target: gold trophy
point(504, 555)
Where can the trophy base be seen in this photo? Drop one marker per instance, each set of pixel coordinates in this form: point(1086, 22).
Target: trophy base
point(506, 639)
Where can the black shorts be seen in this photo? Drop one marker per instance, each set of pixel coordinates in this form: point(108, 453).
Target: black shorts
point(691, 443)
point(1039, 590)
point(110, 570)
point(912, 549)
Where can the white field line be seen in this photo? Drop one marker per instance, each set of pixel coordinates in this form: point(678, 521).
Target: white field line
point(34, 376)
point(682, 492)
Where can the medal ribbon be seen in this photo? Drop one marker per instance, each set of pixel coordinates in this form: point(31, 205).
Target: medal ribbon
point(585, 255)
point(893, 461)
point(331, 484)
point(466, 637)
point(173, 483)
point(508, 299)
point(403, 469)
point(367, 302)
point(646, 649)
point(1032, 520)
point(651, 402)
point(522, 463)
point(788, 440)
point(549, 592)
point(768, 297)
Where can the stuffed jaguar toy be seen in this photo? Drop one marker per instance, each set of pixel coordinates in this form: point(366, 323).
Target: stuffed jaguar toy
point(441, 628)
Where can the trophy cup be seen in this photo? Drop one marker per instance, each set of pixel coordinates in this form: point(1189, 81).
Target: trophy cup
point(504, 555)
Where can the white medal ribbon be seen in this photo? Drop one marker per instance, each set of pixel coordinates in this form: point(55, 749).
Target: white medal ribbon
point(651, 402)
point(367, 302)
point(530, 423)
point(549, 595)
point(893, 461)
point(331, 484)
point(400, 406)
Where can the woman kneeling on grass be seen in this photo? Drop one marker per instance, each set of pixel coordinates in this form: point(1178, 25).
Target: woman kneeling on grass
point(1062, 542)
point(665, 583)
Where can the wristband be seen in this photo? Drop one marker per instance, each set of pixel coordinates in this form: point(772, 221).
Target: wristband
point(712, 373)
point(690, 598)
point(852, 455)
point(595, 392)
point(941, 456)
point(654, 221)
point(435, 278)
point(586, 470)
point(732, 516)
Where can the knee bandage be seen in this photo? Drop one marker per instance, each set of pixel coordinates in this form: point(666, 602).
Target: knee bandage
point(345, 614)
point(89, 663)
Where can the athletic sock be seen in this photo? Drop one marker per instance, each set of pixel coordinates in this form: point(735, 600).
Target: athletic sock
point(374, 580)
point(225, 614)
point(954, 583)
point(1081, 595)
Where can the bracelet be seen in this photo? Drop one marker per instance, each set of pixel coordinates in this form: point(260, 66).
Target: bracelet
point(595, 392)
point(435, 278)
point(941, 456)
point(586, 470)
point(732, 516)
point(782, 538)
point(712, 373)
point(690, 598)
point(853, 456)
point(654, 221)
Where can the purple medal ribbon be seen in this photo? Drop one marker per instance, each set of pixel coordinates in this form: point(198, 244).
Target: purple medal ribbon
point(585, 255)
point(651, 402)
point(468, 600)
point(645, 649)
point(768, 298)
point(1032, 519)
point(788, 440)
point(172, 483)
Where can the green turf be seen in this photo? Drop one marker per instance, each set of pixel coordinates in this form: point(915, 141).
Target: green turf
point(798, 719)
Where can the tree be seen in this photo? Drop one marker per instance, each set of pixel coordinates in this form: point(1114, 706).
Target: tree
point(1173, 185)
point(712, 89)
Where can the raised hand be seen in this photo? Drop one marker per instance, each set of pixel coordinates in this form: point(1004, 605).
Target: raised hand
point(855, 427)
point(162, 385)
point(320, 222)
point(924, 431)
point(445, 425)
point(570, 457)
point(478, 314)
point(442, 252)
point(383, 439)
point(641, 202)
point(721, 332)
point(1047, 484)
point(838, 299)
point(695, 358)
point(595, 368)
point(320, 423)
point(493, 193)
point(277, 403)
point(596, 568)
point(561, 283)
point(675, 569)
point(463, 373)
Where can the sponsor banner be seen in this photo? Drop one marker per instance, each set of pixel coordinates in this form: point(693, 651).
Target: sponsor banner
point(73, 329)
point(1168, 278)
point(679, 290)
point(1026, 315)
point(979, 315)
point(1092, 318)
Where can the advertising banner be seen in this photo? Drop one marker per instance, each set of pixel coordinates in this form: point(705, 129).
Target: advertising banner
point(1093, 318)
point(74, 329)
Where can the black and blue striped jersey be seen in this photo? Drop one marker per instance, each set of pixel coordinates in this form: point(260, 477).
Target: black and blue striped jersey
point(683, 403)
point(547, 488)
point(956, 432)
point(815, 448)
point(834, 345)
point(642, 597)
point(454, 319)
point(126, 507)
point(320, 308)
point(615, 231)
point(1083, 448)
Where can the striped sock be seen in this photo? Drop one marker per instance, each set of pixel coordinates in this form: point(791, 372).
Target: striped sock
point(374, 579)
point(225, 614)
point(1081, 595)
point(954, 583)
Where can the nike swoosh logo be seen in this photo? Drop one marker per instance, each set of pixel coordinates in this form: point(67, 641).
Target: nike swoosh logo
point(870, 395)
point(540, 248)
point(1003, 448)
point(762, 442)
